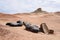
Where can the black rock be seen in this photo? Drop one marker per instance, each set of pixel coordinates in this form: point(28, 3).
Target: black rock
point(27, 25)
point(14, 24)
point(32, 28)
point(8, 23)
point(35, 28)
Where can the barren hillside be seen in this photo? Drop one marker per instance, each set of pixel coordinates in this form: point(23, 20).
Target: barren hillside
point(18, 33)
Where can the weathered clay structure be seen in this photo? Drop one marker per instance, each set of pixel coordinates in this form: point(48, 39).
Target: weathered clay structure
point(44, 29)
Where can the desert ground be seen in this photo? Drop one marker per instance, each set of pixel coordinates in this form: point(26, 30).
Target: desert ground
point(18, 33)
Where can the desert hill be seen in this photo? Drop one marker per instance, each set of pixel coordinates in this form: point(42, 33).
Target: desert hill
point(18, 33)
point(39, 10)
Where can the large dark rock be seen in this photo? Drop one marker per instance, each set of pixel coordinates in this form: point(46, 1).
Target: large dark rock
point(14, 24)
point(27, 25)
point(32, 28)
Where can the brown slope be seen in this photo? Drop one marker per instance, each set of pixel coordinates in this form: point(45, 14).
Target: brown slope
point(51, 21)
point(22, 34)
point(6, 34)
point(2, 15)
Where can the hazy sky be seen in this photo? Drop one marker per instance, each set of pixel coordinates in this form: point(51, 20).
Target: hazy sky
point(14, 6)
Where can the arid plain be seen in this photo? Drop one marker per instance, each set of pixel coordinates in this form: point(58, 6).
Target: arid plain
point(18, 33)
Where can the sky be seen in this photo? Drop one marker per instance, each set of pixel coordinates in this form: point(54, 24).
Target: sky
point(19, 6)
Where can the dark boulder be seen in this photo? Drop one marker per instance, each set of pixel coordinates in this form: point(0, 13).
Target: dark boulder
point(13, 24)
point(32, 28)
point(35, 28)
point(27, 25)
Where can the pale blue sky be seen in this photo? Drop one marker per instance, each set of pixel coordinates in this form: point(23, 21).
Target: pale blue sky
point(15, 6)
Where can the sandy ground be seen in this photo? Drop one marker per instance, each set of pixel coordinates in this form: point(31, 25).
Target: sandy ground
point(18, 33)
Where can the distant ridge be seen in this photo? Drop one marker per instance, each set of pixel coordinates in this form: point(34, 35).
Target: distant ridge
point(57, 13)
point(39, 10)
point(3, 15)
point(8, 17)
